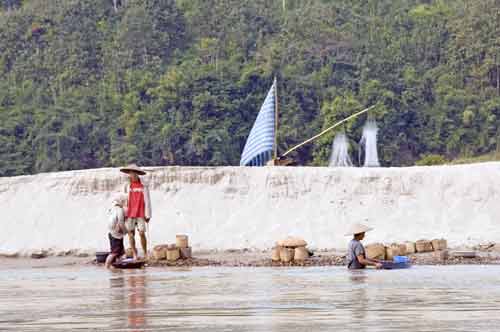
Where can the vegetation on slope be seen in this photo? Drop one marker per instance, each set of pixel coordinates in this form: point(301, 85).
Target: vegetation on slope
point(84, 84)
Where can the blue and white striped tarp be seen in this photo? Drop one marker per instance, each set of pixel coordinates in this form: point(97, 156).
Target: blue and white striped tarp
point(260, 143)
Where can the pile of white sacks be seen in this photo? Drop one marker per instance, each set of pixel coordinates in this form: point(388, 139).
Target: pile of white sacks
point(173, 252)
point(387, 252)
point(289, 250)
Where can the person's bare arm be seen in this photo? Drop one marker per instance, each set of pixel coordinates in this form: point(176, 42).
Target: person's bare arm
point(147, 202)
point(367, 261)
point(123, 229)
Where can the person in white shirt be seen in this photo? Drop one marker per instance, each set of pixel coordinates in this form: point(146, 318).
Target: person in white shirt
point(116, 230)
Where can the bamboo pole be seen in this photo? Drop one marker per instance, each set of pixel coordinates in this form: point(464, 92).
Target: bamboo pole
point(328, 129)
point(275, 118)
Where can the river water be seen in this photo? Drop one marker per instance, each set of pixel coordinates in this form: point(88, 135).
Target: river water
point(441, 298)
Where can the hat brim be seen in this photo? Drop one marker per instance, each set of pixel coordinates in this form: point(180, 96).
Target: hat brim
point(130, 170)
point(359, 231)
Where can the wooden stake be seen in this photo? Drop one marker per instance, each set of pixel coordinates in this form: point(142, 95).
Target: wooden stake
point(275, 118)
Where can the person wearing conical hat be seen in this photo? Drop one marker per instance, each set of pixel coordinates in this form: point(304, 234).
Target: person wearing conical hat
point(138, 207)
point(356, 256)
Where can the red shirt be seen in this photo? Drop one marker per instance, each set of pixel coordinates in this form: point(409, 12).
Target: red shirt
point(136, 205)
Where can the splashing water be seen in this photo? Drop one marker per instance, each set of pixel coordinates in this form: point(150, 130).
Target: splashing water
point(369, 140)
point(340, 152)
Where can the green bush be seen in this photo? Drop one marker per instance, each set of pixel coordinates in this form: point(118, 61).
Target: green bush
point(180, 82)
point(431, 159)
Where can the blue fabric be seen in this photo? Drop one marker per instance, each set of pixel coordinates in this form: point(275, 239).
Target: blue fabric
point(260, 143)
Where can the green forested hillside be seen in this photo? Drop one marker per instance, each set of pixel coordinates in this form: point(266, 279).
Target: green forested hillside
point(163, 82)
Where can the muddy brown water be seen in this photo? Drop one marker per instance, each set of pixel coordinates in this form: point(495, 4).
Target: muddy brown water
point(423, 298)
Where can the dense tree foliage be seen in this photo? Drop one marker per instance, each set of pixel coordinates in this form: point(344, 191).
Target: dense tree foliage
point(87, 83)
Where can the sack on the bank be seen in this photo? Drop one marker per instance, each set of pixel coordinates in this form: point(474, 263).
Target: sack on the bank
point(181, 241)
point(375, 251)
point(439, 244)
point(292, 242)
point(410, 248)
point(173, 254)
point(395, 250)
point(286, 254)
point(160, 252)
point(441, 255)
point(275, 254)
point(423, 246)
point(300, 254)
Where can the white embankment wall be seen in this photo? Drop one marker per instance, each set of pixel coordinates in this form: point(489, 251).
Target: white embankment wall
point(235, 207)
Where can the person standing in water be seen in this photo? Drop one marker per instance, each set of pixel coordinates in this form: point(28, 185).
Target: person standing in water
point(116, 231)
point(138, 207)
point(356, 256)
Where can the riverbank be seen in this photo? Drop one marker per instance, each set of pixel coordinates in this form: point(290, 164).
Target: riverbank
point(251, 207)
point(326, 258)
point(248, 258)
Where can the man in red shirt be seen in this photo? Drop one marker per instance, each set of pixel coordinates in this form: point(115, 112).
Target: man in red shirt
point(138, 207)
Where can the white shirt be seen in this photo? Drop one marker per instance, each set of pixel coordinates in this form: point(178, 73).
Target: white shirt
point(116, 218)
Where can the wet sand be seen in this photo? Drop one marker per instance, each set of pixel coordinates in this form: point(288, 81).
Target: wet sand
point(248, 258)
point(324, 258)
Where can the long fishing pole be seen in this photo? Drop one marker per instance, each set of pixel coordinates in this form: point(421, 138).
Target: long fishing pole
point(328, 129)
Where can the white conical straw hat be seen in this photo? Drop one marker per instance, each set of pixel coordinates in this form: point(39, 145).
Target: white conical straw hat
point(358, 228)
point(132, 168)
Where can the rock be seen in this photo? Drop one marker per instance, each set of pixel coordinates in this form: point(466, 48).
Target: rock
point(439, 244)
point(83, 254)
point(292, 242)
point(39, 254)
point(423, 246)
point(375, 251)
point(464, 254)
point(11, 255)
point(410, 247)
point(486, 247)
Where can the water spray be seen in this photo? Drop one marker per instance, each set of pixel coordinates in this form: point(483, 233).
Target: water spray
point(340, 152)
point(369, 140)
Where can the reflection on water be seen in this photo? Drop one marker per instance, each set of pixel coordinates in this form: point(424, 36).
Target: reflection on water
point(128, 296)
point(136, 302)
point(359, 297)
point(454, 298)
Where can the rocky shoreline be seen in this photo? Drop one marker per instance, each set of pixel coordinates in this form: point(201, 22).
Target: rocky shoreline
point(248, 258)
point(325, 260)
